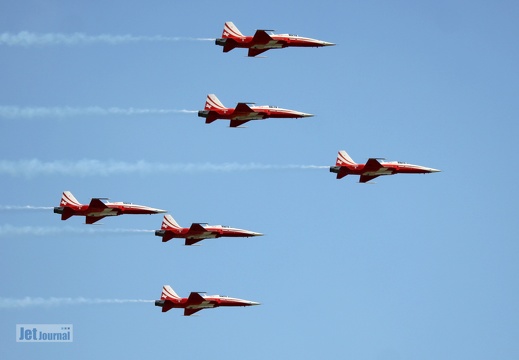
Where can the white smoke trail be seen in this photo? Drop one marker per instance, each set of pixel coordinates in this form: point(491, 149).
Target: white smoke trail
point(26, 39)
point(15, 112)
point(9, 303)
point(84, 168)
point(11, 231)
point(24, 207)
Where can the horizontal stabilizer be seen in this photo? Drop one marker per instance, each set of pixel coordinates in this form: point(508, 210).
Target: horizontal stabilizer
point(168, 305)
point(209, 119)
point(343, 171)
point(167, 236)
point(229, 44)
point(67, 212)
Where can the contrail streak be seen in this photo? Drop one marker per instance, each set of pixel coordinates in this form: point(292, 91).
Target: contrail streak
point(26, 39)
point(85, 168)
point(15, 112)
point(10, 303)
point(9, 231)
point(24, 207)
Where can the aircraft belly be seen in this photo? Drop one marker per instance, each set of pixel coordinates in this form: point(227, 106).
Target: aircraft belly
point(379, 172)
point(253, 116)
point(204, 305)
point(270, 45)
point(106, 212)
point(206, 235)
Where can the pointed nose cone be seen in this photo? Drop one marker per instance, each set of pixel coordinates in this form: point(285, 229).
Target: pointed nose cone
point(253, 303)
point(256, 233)
point(325, 43)
point(434, 170)
point(160, 211)
point(306, 115)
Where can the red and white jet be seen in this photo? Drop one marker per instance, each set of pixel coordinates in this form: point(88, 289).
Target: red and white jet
point(374, 168)
point(96, 210)
point(242, 113)
point(196, 302)
point(198, 231)
point(263, 40)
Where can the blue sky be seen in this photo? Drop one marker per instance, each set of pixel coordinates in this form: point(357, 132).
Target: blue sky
point(415, 266)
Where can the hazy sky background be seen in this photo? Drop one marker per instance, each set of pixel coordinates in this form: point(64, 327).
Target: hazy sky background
point(412, 267)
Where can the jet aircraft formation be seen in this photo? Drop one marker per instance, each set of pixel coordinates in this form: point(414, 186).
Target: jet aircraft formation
point(261, 41)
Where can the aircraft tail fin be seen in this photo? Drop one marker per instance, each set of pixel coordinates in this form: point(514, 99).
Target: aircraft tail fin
point(169, 228)
point(168, 223)
point(68, 200)
point(168, 292)
point(213, 102)
point(343, 159)
point(231, 31)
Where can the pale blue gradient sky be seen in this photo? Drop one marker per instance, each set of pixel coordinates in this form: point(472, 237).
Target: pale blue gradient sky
point(417, 266)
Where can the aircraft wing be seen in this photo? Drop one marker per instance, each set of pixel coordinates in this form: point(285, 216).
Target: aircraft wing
point(93, 219)
point(243, 108)
point(366, 178)
point(261, 37)
point(96, 203)
point(372, 165)
point(195, 298)
point(195, 234)
point(236, 123)
point(188, 312)
point(196, 229)
point(253, 52)
point(191, 241)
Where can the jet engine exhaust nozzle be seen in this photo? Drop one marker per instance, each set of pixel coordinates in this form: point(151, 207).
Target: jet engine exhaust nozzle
point(203, 113)
point(335, 169)
point(160, 232)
